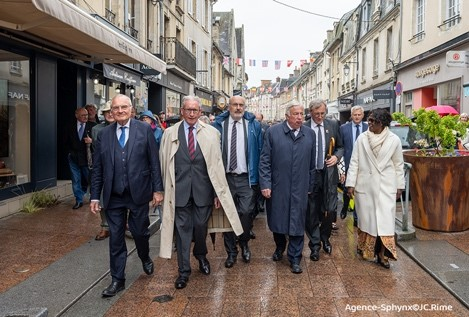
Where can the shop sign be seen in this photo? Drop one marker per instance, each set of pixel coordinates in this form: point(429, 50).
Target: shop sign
point(382, 94)
point(148, 70)
point(345, 101)
point(119, 74)
point(427, 71)
point(457, 58)
point(368, 99)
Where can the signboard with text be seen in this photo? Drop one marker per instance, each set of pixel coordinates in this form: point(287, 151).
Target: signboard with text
point(457, 58)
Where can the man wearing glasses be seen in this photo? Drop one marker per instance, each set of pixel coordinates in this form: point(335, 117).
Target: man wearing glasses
point(126, 168)
point(241, 145)
point(321, 210)
point(195, 183)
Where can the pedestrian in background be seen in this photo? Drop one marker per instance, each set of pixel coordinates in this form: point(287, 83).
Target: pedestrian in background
point(195, 183)
point(148, 117)
point(375, 180)
point(349, 133)
point(77, 139)
point(286, 178)
point(126, 168)
point(241, 144)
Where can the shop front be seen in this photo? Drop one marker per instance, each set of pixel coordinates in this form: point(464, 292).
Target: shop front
point(42, 85)
point(432, 82)
point(379, 97)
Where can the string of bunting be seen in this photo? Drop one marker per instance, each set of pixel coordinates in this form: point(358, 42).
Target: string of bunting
point(265, 63)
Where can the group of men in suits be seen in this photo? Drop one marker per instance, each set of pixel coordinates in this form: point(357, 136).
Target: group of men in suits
point(195, 166)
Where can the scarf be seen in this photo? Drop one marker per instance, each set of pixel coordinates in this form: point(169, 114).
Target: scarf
point(376, 140)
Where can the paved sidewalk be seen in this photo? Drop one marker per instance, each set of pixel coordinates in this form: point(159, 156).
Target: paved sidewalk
point(35, 245)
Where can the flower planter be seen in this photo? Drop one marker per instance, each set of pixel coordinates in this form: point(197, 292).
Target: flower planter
point(439, 187)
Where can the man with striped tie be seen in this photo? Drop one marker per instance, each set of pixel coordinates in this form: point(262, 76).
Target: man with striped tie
point(194, 182)
point(241, 143)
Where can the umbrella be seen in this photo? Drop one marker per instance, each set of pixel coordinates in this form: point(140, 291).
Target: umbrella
point(443, 110)
point(331, 178)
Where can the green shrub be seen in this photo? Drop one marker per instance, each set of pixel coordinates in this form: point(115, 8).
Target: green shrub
point(39, 200)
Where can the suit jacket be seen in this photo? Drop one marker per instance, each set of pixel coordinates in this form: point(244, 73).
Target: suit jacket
point(346, 132)
point(143, 165)
point(208, 140)
point(331, 129)
point(76, 147)
point(191, 176)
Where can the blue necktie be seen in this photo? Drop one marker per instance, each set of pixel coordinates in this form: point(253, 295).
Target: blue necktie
point(357, 132)
point(320, 157)
point(122, 137)
point(80, 131)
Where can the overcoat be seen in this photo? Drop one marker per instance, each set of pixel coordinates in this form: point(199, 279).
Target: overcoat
point(376, 180)
point(208, 138)
point(287, 168)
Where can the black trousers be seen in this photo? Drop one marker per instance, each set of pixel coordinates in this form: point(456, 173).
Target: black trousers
point(116, 214)
point(191, 222)
point(318, 224)
point(295, 246)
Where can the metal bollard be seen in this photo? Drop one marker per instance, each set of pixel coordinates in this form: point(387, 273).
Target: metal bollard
point(405, 206)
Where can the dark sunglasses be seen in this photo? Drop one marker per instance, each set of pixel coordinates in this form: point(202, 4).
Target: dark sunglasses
point(371, 120)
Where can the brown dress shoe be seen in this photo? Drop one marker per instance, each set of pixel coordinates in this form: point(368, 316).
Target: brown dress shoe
point(103, 234)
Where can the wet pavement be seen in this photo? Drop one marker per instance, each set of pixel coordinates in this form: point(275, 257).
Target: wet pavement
point(50, 259)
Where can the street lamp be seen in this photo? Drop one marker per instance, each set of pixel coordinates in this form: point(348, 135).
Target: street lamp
point(347, 68)
point(154, 2)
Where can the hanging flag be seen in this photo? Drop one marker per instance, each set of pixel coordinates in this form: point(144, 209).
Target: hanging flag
point(302, 62)
point(265, 63)
point(252, 62)
point(312, 59)
point(277, 64)
point(289, 62)
point(239, 61)
point(226, 60)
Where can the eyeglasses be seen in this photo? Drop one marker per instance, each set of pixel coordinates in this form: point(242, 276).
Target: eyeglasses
point(189, 111)
point(372, 121)
point(122, 108)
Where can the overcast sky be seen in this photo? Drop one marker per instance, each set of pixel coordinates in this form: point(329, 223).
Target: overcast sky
point(274, 32)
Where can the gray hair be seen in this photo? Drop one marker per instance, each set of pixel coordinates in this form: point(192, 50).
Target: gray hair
point(291, 104)
point(354, 108)
point(316, 103)
point(204, 119)
point(192, 98)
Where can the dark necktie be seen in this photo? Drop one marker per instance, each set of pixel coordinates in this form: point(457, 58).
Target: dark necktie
point(190, 143)
point(80, 131)
point(122, 137)
point(320, 157)
point(233, 154)
point(357, 132)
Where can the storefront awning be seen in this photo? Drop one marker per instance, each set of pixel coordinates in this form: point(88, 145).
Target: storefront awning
point(83, 36)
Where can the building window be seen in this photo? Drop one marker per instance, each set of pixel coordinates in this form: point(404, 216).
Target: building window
point(375, 57)
point(363, 65)
point(366, 16)
point(173, 103)
point(452, 13)
point(389, 52)
point(15, 142)
point(408, 103)
point(449, 93)
point(419, 21)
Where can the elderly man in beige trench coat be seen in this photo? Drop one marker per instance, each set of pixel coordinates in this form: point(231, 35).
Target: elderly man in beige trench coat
point(203, 170)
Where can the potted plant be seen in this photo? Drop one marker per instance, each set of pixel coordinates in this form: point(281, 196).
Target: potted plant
point(440, 173)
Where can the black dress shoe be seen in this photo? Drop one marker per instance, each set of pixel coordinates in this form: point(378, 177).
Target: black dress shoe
point(296, 268)
point(148, 267)
point(327, 247)
point(230, 261)
point(278, 255)
point(314, 255)
point(343, 214)
point(181, 282)
point(77, 205)
point(246, 253)
point(113, 289)
point(252, 234)
point(204, 266)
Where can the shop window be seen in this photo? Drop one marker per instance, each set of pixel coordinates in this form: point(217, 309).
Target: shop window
point(14, 120)
point(173, 103)
point(449, 93)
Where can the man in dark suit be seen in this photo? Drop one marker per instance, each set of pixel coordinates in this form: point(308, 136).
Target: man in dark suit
point(349, 133)
point(78, 137)
point(319, 216)
point(127, 168)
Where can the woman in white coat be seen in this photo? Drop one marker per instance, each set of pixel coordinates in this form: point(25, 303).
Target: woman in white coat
point(375, 180)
